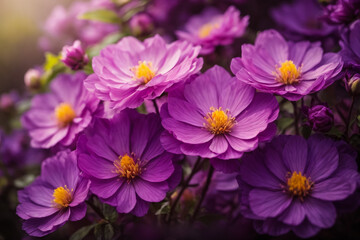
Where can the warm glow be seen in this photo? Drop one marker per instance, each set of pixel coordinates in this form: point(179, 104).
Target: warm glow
point(206, 29)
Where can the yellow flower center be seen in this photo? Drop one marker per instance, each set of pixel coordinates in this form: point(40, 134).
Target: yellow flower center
point(144, 71)
point(299, 185)
point(218, 121)
point(62, 197)
point(288, 73)
point(126, 167)
point(65, 114)
point(206, 29)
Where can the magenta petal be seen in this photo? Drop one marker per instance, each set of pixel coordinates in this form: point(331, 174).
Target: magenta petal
point(96, 167)
point(324, 158)
point(78, 212)
point(151, 192)
point(320, 213)
point(295, 154)
point(185, 112)
point(306, 229)
point(36, 211)
point(126, 198)
point(187, 133)
point(294, 214)
point(219, 144)
point(170, 143)
point(272, 227)
point(60, 218)
point(336, 188)
point(105, 188)
point(141, 207)
point(225, 166)
point(158, 169)
point(266, 203)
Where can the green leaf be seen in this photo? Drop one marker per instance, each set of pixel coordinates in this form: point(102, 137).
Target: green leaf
point(112, 38)
point(110, 213)
point(164, 209)
point(82, 232)
point(335, 132)
point(51, 61)
point(101, 15)
point(104, 232)
point(284, 123)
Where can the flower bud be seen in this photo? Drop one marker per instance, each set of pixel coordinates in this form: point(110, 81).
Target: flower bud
point(74, 56)
point(32, 78)
point(321, 118)
point(8, 100)
point(141, 24)
point(354, 84)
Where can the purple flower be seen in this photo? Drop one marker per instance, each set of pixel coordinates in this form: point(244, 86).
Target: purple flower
point(141, 23)
point(130, 71)
point(350, 46)
point(125, 161)
point(292, 184)
point(289, 69)
point(211, 28)
point(320, 118)
point(352, 82)
point(217, 116)
point(74, 56)
point(54, 198)
point(63, 26)
point(58, 116)
point(15, 150)
point(301, 20)
point(8, 100)
point(342, 11)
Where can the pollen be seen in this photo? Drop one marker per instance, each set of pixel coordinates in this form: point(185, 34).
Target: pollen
point(299, 185)
point(288, 73)
point(219, 121)
point(126, 167)
point(144, 71)
point(62, 197)
point(206, 29)
point(65, 114)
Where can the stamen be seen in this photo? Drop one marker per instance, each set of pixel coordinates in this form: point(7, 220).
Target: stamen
point(144, 71)
point(218, 121)
point(126, 167)
point(206, 29)
point(65, 114)
point(62, 197)
point(288, 73)
point(299, 185)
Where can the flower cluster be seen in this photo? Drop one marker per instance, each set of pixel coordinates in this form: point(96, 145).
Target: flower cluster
point(162, 120)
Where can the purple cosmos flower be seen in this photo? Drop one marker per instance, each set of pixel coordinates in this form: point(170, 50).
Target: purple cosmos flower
point(342, 11)
point(301, 20)
point(130, 71)
point(9, 100)
point(217, 116)
point(63, 26)
point(290, 69)
point(320, 118)
point(350, 46)
point(292, 183)
point(58, 116)
point(125, 161)
point(211, 28)
point(74, 56)
point(141, 23)
point(55, 197)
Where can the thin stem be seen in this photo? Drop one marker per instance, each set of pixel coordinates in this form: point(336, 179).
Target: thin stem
point(96, 209)
point(296, 118)
point(156, 107)
point(185, 185)
point(348, 120)
point(203, 193)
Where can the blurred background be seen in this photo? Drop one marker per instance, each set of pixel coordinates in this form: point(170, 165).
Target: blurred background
point(20, 28)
